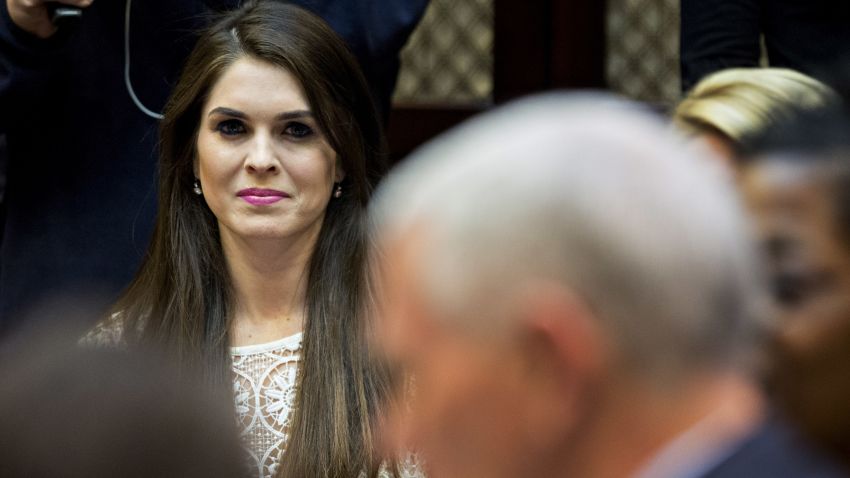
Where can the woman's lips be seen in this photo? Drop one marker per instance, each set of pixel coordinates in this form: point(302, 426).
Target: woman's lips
point(261, 197)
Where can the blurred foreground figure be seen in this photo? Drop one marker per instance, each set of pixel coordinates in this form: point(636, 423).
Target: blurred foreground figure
point(74, 412)
point(574, 294)
point(797, 187)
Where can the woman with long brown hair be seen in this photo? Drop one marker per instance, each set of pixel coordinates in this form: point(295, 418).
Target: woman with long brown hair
point(256, 274)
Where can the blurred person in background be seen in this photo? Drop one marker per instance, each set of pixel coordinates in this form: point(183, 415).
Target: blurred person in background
point(730, 107)
point(256, 275)
point(74, 412)
point(808, 36)
point(574, 293)
point(798, 188)
point(80, 106)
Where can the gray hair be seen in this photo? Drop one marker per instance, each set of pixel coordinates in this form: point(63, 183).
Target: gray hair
point(593, 193)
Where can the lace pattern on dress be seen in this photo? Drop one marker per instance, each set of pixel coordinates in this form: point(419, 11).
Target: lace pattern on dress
point(107, 333)
point(409, 467)
point(264, 393)
point(264, 381)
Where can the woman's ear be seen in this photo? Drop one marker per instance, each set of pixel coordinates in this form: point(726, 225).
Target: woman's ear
point(195, 165)
point(339, 173)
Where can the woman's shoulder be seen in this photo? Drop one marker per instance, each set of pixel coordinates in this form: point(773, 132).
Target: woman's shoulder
point(109, 332)
point(410, 466)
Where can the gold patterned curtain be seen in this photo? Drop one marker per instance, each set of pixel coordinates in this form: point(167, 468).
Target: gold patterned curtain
point(643, 50)
point(449, 58)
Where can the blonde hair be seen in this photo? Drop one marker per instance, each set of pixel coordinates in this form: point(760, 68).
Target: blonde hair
point(741, 102)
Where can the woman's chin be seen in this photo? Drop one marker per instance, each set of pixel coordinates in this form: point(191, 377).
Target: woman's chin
point(269, 232)
point(264, 234)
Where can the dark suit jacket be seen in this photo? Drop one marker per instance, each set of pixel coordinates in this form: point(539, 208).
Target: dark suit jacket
point(804, 35)
point(775, 451)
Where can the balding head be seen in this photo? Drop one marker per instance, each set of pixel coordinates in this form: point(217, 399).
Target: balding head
point(564, 280)
point(589, 193)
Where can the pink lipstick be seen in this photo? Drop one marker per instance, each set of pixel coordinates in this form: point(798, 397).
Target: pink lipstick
point(261, 197)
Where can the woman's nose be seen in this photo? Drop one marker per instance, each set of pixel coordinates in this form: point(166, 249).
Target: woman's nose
point(262, 157)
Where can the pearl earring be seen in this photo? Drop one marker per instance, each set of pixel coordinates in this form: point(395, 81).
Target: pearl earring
point(196, 188)
point(338, 190)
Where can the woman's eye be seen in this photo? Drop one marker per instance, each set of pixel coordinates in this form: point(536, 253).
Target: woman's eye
point(231, 127)
point(298, 130)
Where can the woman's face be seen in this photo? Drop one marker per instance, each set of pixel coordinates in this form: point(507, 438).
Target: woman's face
point(808, 261)
point(265, 167)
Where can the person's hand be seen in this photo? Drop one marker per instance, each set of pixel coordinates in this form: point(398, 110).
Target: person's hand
point(31, 15)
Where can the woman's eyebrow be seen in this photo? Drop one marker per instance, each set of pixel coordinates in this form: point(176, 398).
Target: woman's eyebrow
point(227, 112)
point(288, 115)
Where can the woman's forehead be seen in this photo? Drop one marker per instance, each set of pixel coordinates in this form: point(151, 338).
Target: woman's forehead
point(250, 84)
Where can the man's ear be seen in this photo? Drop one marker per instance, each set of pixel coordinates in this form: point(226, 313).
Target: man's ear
point(566, 355)
point(564, 324)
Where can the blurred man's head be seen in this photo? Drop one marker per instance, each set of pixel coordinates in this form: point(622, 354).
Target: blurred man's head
point(545, 260)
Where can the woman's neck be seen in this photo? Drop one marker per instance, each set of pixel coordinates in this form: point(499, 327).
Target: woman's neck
point(269, 279)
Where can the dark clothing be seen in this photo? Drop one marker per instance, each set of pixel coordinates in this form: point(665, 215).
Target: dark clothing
point(804, 35)
point(775, 451)
point(80, 194)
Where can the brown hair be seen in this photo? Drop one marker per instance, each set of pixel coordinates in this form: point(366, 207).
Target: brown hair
point(182, 296)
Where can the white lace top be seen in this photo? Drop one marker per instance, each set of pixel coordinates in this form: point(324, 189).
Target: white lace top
point(264, 392)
